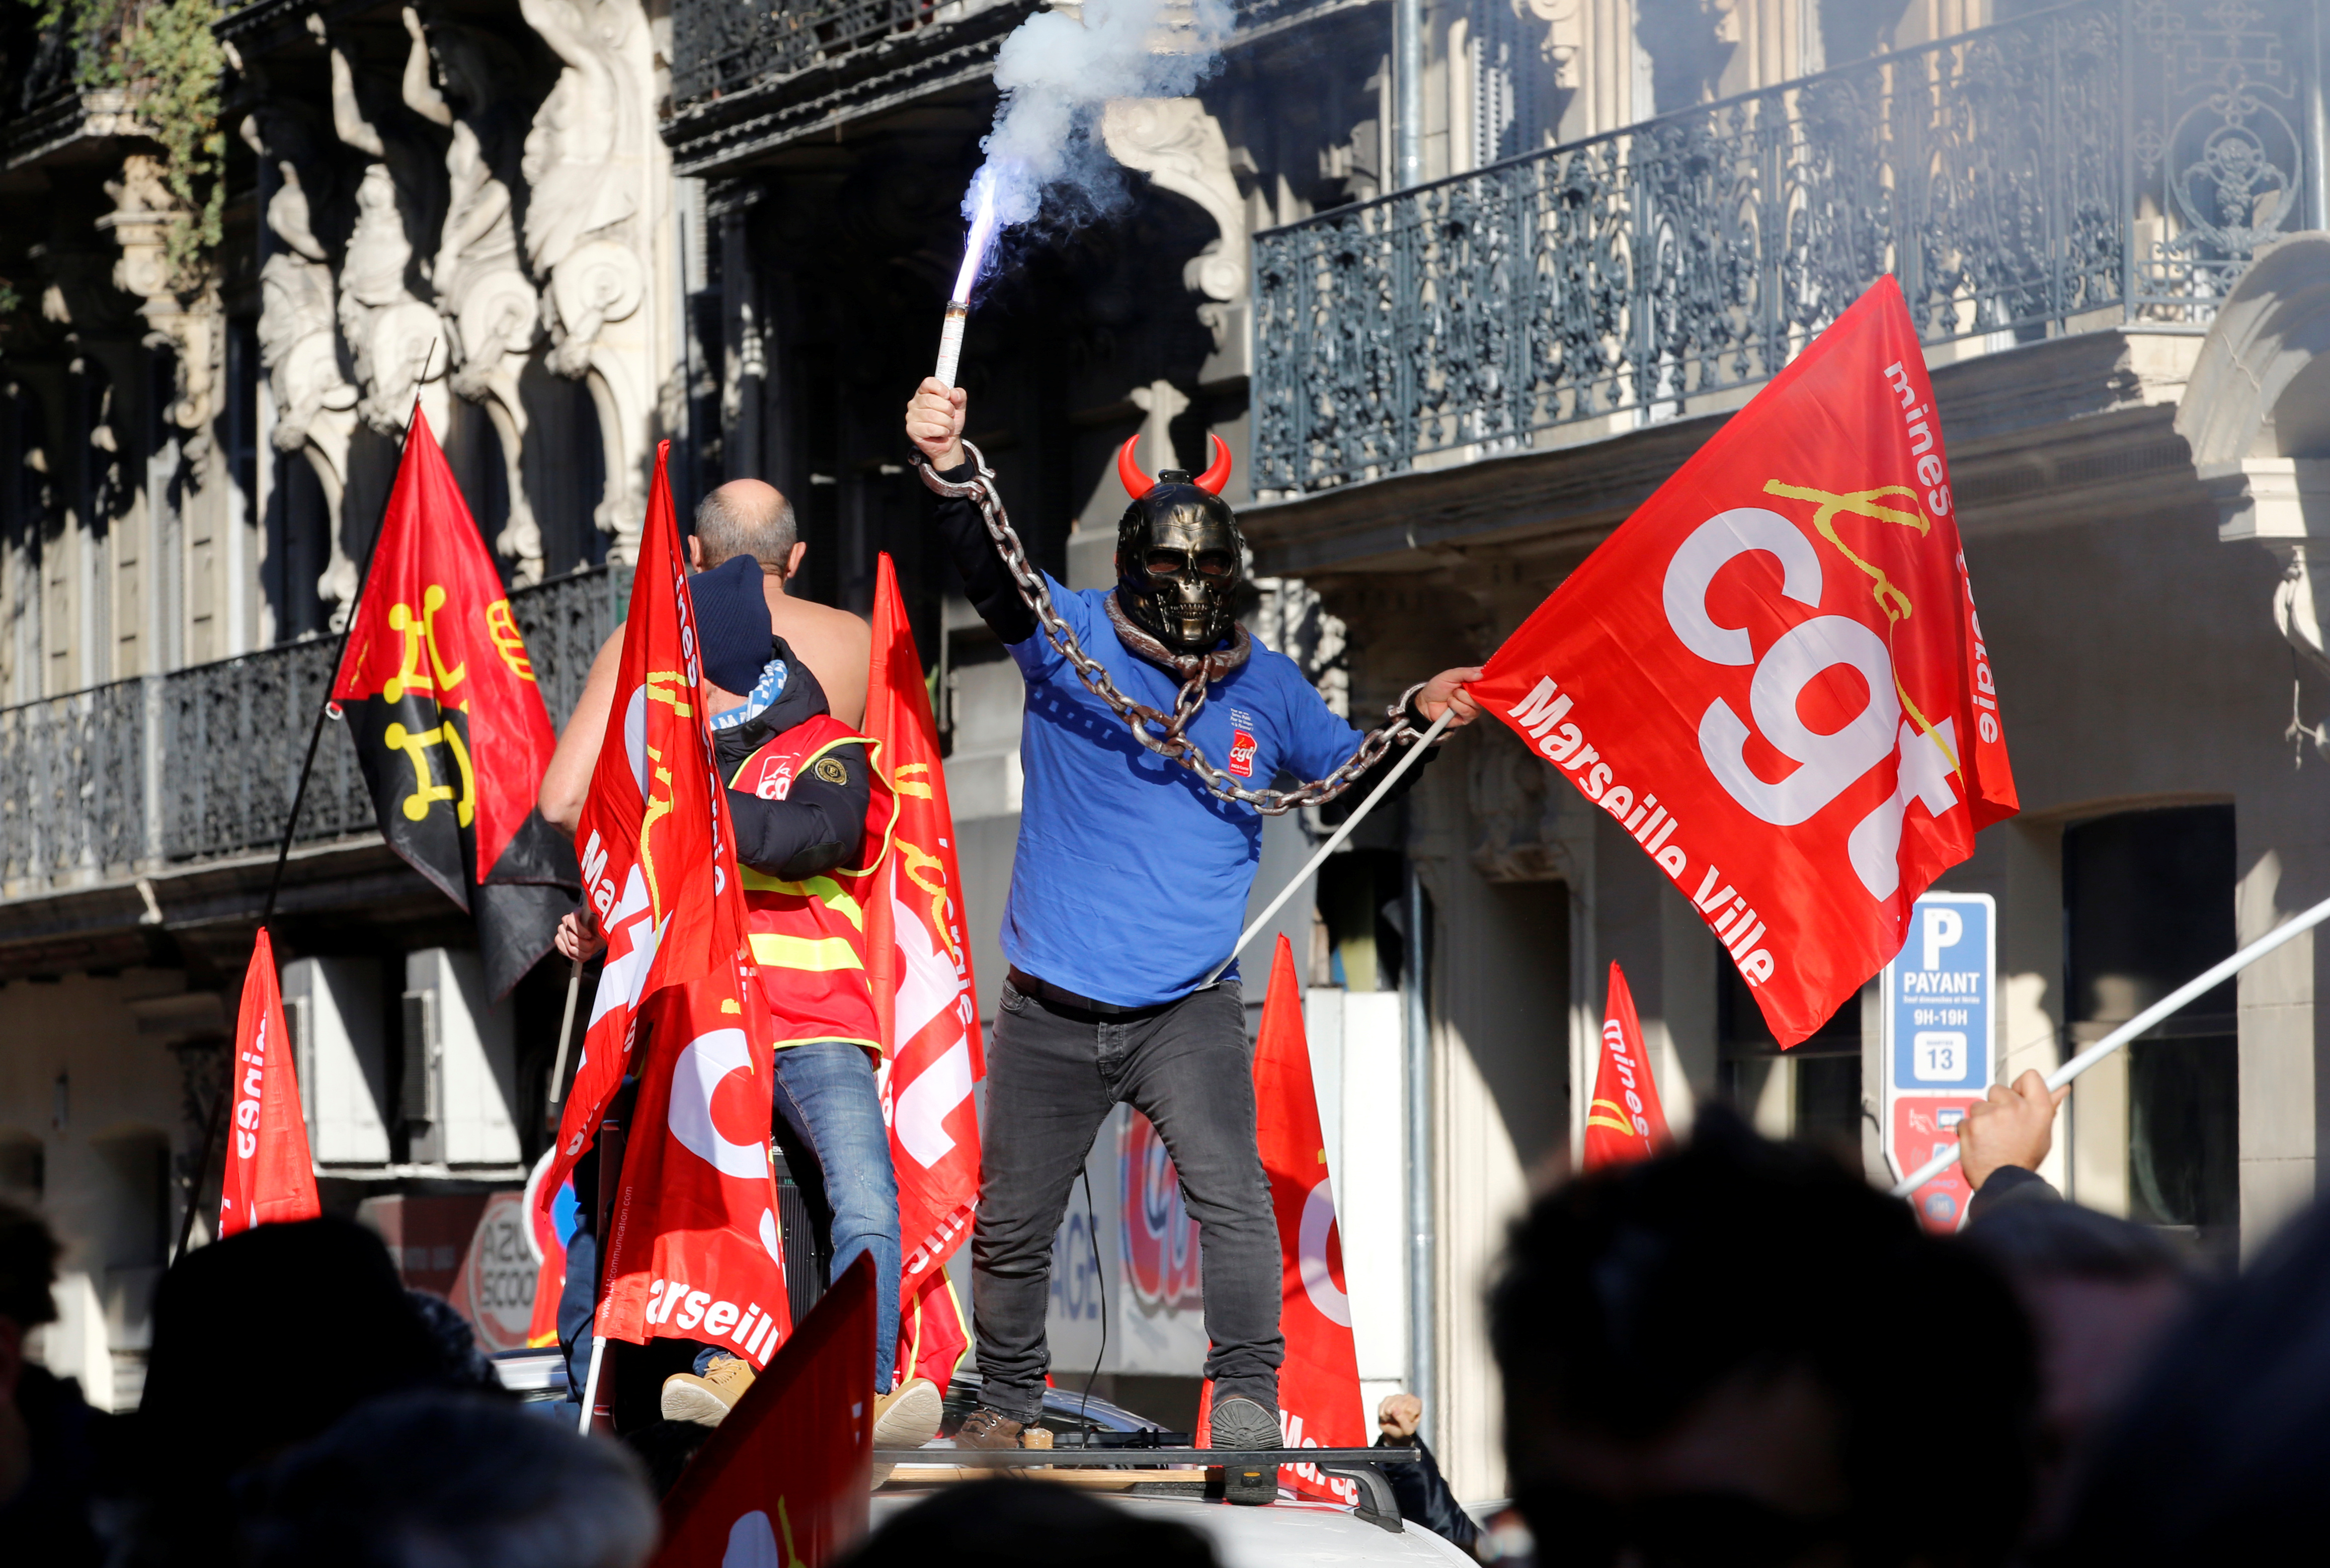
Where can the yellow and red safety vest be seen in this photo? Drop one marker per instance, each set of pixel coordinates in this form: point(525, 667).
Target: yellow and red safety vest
point(809, 937)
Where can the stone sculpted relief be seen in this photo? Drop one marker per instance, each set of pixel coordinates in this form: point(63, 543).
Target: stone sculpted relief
point(187, 321)
point(1529, 819)
point(469, 240)
point(314, 403)
point(483, 294)
point(1180, 146)
point(588, 161)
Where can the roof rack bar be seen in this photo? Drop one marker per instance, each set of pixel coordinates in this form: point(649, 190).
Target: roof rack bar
point(1119, 1459)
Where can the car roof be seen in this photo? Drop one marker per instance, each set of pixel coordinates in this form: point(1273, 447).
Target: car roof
point(1289, 1532)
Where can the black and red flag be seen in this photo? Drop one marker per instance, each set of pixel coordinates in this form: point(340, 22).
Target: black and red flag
point(449, 723)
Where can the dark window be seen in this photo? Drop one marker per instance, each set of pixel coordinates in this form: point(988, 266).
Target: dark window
point(2148, 904)
point(1823, 1082)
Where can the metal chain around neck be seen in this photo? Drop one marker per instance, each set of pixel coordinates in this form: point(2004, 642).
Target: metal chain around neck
point(1164, 734)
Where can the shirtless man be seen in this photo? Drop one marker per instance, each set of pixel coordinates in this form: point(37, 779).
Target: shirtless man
point(741, 518)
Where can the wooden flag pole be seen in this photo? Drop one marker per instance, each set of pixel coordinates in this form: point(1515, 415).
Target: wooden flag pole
point(2207, 980)
point(557, 1096)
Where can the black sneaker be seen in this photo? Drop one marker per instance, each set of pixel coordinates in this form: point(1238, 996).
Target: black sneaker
point(1239, 1423)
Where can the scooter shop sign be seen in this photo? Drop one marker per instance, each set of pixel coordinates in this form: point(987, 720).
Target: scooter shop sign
point(495, 1289)
point(1939, 997)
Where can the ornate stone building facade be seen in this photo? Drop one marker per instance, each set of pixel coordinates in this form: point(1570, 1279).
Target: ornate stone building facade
point(571, 229)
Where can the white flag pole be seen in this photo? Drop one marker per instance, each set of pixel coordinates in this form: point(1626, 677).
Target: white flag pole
point(1334, 842)
point(590, 1379)
point(2207, 980)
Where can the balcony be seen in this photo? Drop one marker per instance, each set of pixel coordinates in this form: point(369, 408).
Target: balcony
point(2109, 163)
point(164, 772)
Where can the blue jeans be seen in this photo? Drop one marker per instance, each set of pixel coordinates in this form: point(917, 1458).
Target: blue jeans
point(824, 1094)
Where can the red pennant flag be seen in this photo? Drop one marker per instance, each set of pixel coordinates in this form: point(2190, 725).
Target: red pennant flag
point(918, 959)
point(1624, 1122)
point(786, 1479)
point(1319, 1402)
point(1773, 677)
point(659, 868)
point(270, 1177)
point(449, 723)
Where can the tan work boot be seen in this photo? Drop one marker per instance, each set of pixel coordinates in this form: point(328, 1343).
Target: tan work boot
point(988, 1427)
point(707, 1400)
point(907, 1416)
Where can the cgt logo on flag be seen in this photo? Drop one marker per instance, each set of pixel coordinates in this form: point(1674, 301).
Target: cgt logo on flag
point(1778, 654)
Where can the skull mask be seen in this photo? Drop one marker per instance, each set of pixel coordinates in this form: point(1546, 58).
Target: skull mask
point(1180, 558)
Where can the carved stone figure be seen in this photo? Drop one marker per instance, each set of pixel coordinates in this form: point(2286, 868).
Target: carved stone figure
point(483, 294)
point(186, 319)
point(392, 336)
point(1180, 146)
point(315, 404)
point(589, 161)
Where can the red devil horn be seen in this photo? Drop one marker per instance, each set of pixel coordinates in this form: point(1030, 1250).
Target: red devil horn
point(1217, 474)
point(1136, 483)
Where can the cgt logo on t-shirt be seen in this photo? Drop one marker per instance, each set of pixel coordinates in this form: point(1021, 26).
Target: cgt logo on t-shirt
point(1242, 744)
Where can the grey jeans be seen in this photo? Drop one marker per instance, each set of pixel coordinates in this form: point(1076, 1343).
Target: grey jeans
point(1052, 1078)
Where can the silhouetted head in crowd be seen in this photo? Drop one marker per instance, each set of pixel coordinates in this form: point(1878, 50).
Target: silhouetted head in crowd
point(264, 1339)
point(2100, 1292)
point(1011, 1524)
point(448, 1480)
point(2219, 1451)
point(28, 1271)
point(1741, 1353)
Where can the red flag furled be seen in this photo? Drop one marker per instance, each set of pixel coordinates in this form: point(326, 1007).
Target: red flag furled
point(919, 962)
point(786, 1479)
point(1773, 677)
point(448, 721)
point(268, 1176)
point(1624, 1122)
point(1319, 1402)
point(691, 1249)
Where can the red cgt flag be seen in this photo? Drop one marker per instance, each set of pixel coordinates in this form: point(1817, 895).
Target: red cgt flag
point(691, 1249)
point(785, 1480)
point(268, 1176)
point(640, 832)
point(919, 963)
point(1319, 1402)
point(1773, 677)
point(1624, 1122)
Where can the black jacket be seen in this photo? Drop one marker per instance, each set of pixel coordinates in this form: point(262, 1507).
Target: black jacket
point(1424, 1497)
point(821, 823)
point(2011, 1186)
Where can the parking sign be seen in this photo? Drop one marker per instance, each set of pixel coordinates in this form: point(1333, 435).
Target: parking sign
point(1939, 995)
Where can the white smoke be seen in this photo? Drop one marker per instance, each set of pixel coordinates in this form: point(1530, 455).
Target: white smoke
point(1056, 72)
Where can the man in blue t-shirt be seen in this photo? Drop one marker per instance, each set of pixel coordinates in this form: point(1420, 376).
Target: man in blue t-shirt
point(1128, 888)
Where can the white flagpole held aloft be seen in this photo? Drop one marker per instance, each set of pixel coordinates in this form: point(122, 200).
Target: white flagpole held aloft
point(1319, 856)
point(2207, 980)
point(590, 1379)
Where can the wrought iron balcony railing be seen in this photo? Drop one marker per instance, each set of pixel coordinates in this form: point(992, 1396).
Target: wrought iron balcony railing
point(2111, 162)
point(147, 774)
